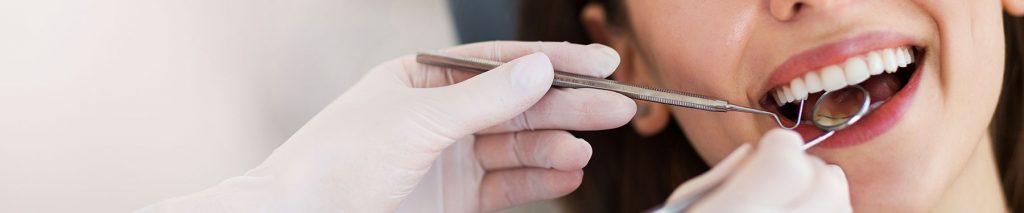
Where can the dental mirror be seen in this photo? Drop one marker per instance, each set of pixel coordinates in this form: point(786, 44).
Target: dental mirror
point(833, 111)
point(839, 109)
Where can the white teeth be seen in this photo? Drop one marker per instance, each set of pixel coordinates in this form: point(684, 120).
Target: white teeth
point(875, 64)
point(876, 105)
point(901, 58)
point(889, 58)
point(832, 78)
point(910, 56)
point(788, 93)
point(798, 88)
point(813, 82)
point(856, 71)
point(779, 98)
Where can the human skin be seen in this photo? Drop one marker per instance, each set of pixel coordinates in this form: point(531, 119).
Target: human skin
point(920, 161)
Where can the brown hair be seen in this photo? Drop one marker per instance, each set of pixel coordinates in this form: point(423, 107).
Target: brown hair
point(1007, 124)
point(631, 173)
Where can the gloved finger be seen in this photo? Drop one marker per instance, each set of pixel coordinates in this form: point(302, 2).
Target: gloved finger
point(542, 149)
point(503, 189)
point(489, 99)
point(591, 60)
point(774, 175)
point(572, 109)
point(828, 193)
point(701, 183)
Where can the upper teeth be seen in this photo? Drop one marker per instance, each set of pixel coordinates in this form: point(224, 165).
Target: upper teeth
point(853, 71)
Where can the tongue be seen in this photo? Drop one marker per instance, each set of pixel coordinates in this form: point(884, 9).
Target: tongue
point(882, 87)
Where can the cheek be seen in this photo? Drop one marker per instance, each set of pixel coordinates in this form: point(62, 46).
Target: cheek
point(690, 51)
point(971, 73)
point(972, 57)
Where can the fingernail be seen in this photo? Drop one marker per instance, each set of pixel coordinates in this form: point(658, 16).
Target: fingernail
point(739, 150)
point(816, 160)
point(783, 139)
point(586, 145)
point(838, 171)
point(532, 71)
point(608, 64)
point(605, 49)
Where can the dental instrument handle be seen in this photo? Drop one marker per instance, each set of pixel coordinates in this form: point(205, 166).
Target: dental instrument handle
point(571, 80)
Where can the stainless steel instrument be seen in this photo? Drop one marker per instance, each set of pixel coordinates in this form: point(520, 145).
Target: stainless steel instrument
point(570, 80)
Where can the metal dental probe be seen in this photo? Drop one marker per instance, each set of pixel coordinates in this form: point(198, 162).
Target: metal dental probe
point(571, 80)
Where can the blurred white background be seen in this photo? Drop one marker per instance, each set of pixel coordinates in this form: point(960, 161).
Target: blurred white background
point(110, 105)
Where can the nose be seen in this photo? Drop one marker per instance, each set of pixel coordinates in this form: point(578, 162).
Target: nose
point(785, 10)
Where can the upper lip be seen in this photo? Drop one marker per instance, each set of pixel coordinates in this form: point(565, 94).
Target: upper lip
point(833, 53)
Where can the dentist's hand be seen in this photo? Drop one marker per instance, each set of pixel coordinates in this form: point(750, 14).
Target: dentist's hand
point(421, 138)
point(776, 177)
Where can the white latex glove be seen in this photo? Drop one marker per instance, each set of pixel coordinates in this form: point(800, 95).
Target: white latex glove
point(368, 150)
point(777, 177)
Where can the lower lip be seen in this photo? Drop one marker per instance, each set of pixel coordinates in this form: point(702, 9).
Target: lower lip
point(874, 124)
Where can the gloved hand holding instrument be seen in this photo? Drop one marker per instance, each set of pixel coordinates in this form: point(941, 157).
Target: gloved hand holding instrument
point(488, 142)
point(415, 137)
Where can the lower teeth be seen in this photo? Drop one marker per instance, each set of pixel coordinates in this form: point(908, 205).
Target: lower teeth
point(876, 105)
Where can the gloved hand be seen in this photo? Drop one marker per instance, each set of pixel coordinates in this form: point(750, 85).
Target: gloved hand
point(369, 150)
point(777, 177)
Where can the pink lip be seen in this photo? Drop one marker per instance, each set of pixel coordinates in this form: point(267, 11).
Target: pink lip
point(834, 53)
point(878, 121)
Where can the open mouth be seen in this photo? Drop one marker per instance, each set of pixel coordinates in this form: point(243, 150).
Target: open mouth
point(884, 73)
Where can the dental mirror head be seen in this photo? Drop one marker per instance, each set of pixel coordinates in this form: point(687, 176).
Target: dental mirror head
point(839, 109)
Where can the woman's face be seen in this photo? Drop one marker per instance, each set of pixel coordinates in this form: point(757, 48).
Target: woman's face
point(906, 152)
